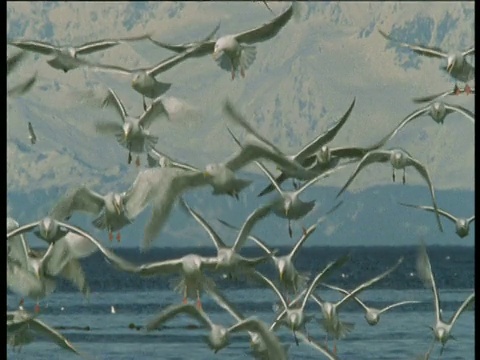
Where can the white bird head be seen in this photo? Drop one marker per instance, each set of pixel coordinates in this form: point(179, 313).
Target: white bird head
point(118, 203)
point(127, 129)
point(324, 155)
point(47, 227)
point(164, 162)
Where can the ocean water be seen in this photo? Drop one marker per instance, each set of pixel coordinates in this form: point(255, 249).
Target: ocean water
point(402, 333)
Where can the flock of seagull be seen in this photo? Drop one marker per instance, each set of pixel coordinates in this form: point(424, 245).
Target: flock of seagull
point(33, 273)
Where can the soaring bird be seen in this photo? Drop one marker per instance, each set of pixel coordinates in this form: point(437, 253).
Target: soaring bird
point(399, 159)
point(133, 132)
point(457, 65)
point(66, 57)
point(234, 52)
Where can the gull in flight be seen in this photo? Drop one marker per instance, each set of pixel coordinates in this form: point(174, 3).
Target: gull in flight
point(157, 159)
point(437, 110)
point(109, 209)
point(66, 57)
point(293, 316)
point(31, 134)
point(430, 98)
point(457, 65)
point(143, 79)
point(234, 52)
point(331, 321)
point(399, 159)
point(133, 132)
point(289, 276)
point(312, 147)
point(229, 259)
point(191, 268)
point(372, 315)
point(441, 330)
point(462, 225)
point(23, 326)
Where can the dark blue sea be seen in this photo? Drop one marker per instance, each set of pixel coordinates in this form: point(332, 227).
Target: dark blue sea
point(402, 333)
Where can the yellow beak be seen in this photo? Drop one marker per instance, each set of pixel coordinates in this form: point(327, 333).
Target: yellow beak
point(206, 174)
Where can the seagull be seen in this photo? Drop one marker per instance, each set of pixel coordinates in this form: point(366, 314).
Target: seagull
point(466, 90)
point(462, 225)
point(331, 321)
point(441, 330)
point(372, 315)
point(110, 209)
point(66, 57)
point(31, 136)
point(159, 187)
point(217, 339)
point(21, 326)
point(399, 159)
point(293, 316)
point(190, 266)
point(234, 52)
point(457, 65)
point(292, 167)
point(229, 260)
point(288, 205)
point(313, 146)
point(48, 230)
point(143, 79)
point(133, 133)
point(437, 110)
point(291, 279)
point(263, 340)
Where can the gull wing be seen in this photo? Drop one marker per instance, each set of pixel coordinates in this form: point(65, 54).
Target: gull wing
point(419, 49)
point(45, 330)
point(108, 127)
point(153, 112)
point(325, 137)
point(430, 98)
point(22, 88)
point(206, 45)
point(469, 51)
point(104, 44)
point(77, 199)
point(424, 272)
point(460, 109)
point(218, 297)
point(369, 158)
point(417, 113)
point(274, 288)
point(343, 291)
point(422, 170)
point(160, 267)
point(218, 242)
point(462, 308)
point(15, 60)
point(112, 100)
point(72, 271)
point(248, 225)
point(173, 310)
point(274, 347)
point(153, 163)
point(398, 304)
point(431, 209)
point(368, 283)
point(24, 228)
point(268, 30)
point(316, 345)
point(35, 46)
point(333, 265)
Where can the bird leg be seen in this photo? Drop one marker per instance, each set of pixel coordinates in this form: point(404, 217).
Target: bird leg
point(295, 185)
point(144, 103)
point(393, 175)
point(456, 89)
point(137, 162)
point(118, 236)
point(467, 89)
point(110, 235)
point(335, 346)
point(242, 72)
point(129, 159)
point(403, 178)
point(184, 295)
point(233, 73)
point(37, 308)
point(295, 337)
point(199, 303)
point(289, 229)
